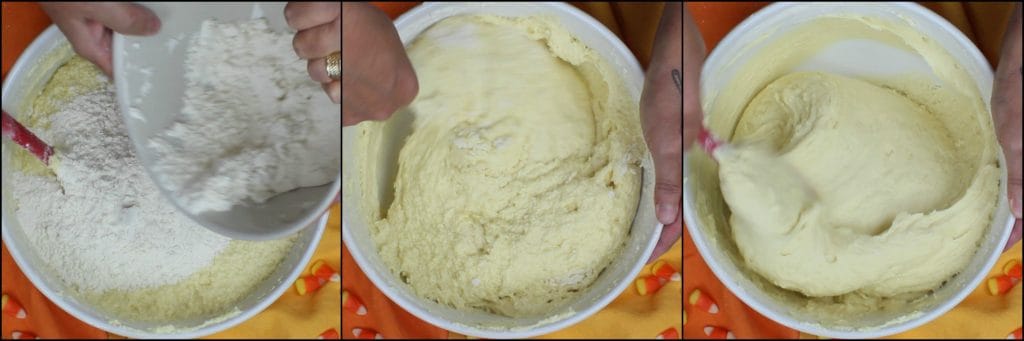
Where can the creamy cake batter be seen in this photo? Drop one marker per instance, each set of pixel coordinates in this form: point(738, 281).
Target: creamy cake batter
point(855, 188)
point(520, 178)
point(886, 211)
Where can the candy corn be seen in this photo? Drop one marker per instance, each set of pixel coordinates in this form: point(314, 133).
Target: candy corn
point(668, 334)
point(664, 270)
point(1012, 269)
point(13, 308)
point(321, 270)
point(684, 317)
point(1000, 284)
point(307, 284)
point(366, 334)
point(330, 334)
point(352, 303)
point(18, 335)
point(718, 333)
point(703, 302)
point(648, 284)
point(1015, 335)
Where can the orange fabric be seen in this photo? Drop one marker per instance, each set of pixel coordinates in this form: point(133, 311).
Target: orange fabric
point(22, 22)
point(979, 316)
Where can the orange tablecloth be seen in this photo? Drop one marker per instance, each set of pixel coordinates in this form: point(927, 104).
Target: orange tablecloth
point(979, 316)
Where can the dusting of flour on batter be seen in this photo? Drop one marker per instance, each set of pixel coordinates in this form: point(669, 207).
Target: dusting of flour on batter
point(253, 124)
point(102, 227)
point(101, 224)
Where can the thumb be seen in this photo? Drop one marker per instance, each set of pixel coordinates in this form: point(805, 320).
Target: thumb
point(668, 189)
point(126, 18)
point(662, 123)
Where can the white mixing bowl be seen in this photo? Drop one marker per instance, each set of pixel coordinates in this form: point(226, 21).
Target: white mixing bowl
point(149, 73)
point(33, 69)
point(712, 238)
point(615, 278)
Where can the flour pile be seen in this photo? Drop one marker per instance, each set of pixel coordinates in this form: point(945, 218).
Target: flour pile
point(253, 124)
point(101, 223)
point(102, 226)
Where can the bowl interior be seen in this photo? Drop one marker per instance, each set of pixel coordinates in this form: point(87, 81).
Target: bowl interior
point(33, 69)
point(707, 215)
point(610, 283)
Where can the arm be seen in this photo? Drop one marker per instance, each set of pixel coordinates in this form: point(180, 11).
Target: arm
point(1006, 111)
point(693, 60)
point(661, 115)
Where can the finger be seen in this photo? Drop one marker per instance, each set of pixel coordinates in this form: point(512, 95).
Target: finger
point(1014, 236)
point(319, 41)
point(333, 90)
point(668, 192)
point(92, 42)
point(125, 18)
point(661, 124)
point(303, 15)
point(317, 69)
point(666, 150)
point(669, 235)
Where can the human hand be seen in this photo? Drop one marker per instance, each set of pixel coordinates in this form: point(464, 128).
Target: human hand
point(1006, 111)
point(693, 60)
point(377, 73)
point(89, 27)
point(319, 29)
point(660, 115)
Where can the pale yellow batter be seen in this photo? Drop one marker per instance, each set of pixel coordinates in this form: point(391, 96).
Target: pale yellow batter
point(520, 179)
point(869, 187)
point(887, 211)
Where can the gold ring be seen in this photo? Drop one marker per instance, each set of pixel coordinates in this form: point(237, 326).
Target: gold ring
point(333, 62)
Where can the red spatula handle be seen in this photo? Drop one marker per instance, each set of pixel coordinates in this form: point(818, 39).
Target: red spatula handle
point(25, 138)
point(708, 141)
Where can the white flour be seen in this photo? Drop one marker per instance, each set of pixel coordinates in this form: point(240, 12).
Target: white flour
point(253, 124)
point(111, 228)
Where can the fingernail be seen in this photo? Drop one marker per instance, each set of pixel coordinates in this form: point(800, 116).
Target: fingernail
point(153, 27)
point(335, 97)
point(666, 213)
